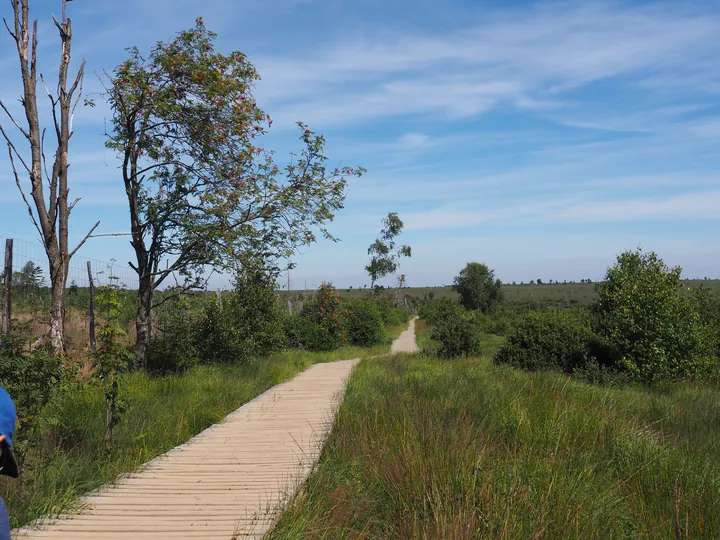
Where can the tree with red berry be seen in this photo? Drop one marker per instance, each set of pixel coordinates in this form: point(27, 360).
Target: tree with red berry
point(201, 190)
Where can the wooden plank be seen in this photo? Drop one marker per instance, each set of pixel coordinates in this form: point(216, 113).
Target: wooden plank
point(229, 481)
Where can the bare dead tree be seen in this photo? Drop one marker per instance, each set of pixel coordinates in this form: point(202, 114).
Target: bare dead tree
point(49, 213)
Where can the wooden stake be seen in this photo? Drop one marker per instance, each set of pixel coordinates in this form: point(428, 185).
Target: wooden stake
point(92, 307)
point(7, 304)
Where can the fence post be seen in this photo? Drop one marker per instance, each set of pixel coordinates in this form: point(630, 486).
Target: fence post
point(92, 307)
point(218, 293)
point(7, 283)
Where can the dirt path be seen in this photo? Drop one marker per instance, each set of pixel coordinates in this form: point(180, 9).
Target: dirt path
point(406, 342)
point(228, 481)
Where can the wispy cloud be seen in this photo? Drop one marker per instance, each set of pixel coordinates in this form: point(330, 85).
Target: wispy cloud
point(526, 59)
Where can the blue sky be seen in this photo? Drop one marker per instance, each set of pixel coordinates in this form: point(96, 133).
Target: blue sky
point(542, 138)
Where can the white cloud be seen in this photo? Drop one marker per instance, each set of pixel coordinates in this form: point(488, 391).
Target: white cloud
point(523, 57)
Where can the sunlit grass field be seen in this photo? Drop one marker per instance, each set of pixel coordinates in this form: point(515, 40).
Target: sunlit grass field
point(423, 448)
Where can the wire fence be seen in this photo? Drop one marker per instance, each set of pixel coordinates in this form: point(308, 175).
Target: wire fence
point(26, 308)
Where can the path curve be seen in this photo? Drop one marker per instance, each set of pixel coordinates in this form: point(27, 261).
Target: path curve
point(231, 480)
point(406, 342)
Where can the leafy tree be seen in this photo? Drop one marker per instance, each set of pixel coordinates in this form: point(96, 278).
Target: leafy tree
point(539, 281)
point(384, 254)
point(201, 190)
point(49, 210)
point(478, 288)
point(656, 331)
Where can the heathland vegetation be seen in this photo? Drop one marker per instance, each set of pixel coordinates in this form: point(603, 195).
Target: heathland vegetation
point(530, 420)
point(541, 409)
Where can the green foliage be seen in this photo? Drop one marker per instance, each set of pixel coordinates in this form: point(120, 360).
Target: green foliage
point(30, 378)
point(111, 359)
point(657, 332)
point(478, 288)
point(455, 331)
point(365, 325)
point(458, 335)
point(248, 323)
point(391, 316)
point(305, 334)
point(384, 254)
point(547, 339)
point(173, 349)
point(326, 311)
point(435, 311)
point(187, 128)
point(500, 322)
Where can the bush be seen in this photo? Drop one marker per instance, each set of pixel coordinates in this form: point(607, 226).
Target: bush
point(173, 349)
point(456, 331)
point(501, 322)
point(436, 311)
point(326, 311)
point(391, 316)
point(31, 379)
point(302, 333)
point(641, 313)
point(548, 339)
point(365, 326)
point(248, 324)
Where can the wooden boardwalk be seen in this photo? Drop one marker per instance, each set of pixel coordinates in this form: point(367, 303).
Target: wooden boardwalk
point(227, 482)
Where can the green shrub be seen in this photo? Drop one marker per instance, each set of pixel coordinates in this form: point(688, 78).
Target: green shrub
point(326, 312)
point(500, 322)
point(173, 349)
point(456, 331)
point(249, 322)
point(31, 379)
point(547, 339)
point(391, 316)
point(305, 334)
point(365, 326)
point(640, 312)
point(439, 310)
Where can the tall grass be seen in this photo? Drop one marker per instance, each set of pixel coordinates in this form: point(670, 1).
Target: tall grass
point(423, 448)
point(160, 414)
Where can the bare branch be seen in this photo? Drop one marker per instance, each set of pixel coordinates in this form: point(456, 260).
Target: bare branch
point(13, 34)
point(72, 204)
point(22, 193)
point(83, 240)
point(77, 84)
point(12, 119)
point(111, 234)
point(12, 147)
point(53, 102)
point(175, 294)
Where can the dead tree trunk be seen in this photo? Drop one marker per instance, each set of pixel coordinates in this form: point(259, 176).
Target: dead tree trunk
point(50, 214)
